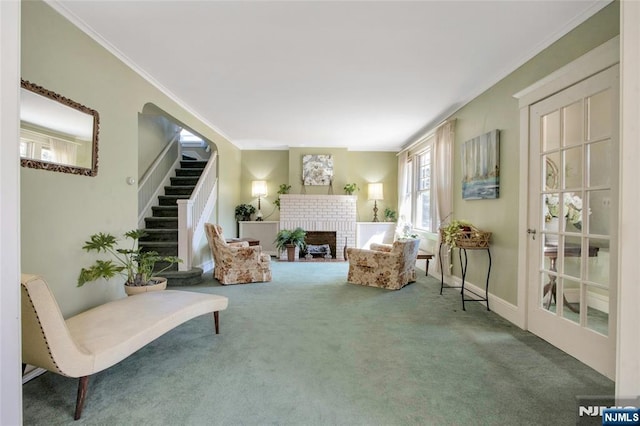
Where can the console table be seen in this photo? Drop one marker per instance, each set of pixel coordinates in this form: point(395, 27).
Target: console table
point(264, 231)
point(463, 266)
point(551, 251)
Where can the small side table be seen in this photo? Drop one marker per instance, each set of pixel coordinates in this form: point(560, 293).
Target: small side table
point(251, 241)
point(463, 266)
point(427, 256)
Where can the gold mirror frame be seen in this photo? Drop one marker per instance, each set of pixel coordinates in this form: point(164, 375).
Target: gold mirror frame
point(63, 168)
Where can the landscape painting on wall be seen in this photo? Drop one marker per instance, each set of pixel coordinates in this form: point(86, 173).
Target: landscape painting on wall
point(317, 169)
point(481, 167)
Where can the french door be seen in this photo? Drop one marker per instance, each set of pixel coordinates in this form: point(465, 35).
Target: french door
point(573, 210)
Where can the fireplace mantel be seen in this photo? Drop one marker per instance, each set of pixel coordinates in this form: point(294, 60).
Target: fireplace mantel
point(317, 212)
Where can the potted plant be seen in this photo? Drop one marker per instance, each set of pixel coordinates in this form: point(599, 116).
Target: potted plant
point(244, 212)
point(284, 189)
point(289, 240)
point(390, 215)
point(453, 231)
point(135, 265)
point(350, 188)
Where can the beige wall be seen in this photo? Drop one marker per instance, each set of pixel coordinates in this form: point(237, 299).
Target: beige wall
point(497, 109)
point(278, 167)
point(59, 211)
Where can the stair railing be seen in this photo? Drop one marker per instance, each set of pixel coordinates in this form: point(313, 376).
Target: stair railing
point(156, 178)
point(193, 212)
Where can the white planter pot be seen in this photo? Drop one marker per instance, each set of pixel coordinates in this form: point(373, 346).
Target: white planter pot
point(161, 285)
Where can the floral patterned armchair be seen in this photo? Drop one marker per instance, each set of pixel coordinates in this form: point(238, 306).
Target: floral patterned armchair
point(386, 266)
point(236, 263)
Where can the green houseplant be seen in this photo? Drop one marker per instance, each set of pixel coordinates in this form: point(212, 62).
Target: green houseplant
point(135, 265)
point(453, 231)
point(287, 239)
point(390, 215)
point(244, 212)
point(350, 188)
point(283, 189)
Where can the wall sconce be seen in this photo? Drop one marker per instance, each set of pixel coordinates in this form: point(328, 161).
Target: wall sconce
point(259, 189)
point(375, 194)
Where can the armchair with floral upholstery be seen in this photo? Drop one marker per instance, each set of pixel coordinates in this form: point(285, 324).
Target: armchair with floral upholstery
point(385, 266)
point(237, 262)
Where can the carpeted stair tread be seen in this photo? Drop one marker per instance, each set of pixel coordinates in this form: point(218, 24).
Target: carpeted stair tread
point(161, 222)
point(193, 164)
point(165, 211)
point(188, 172)
point(171, 200)
point(163, 248)
point(178, 190)
point(184, 181)
point(183, 278)
point(160, 234)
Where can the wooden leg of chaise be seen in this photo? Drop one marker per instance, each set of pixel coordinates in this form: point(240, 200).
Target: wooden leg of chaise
point(82, 393)
point(24, 367)
point(216, 321)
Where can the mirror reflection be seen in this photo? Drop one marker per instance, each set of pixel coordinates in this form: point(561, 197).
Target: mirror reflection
point(57, 133)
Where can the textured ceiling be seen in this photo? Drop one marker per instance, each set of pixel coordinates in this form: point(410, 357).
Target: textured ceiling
point(357, 74)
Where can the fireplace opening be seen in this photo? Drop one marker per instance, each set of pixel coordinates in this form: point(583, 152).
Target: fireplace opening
point(318, 243)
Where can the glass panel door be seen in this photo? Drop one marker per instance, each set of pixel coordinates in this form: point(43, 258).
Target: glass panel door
point(573, 151)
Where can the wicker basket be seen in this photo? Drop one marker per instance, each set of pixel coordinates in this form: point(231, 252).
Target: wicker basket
point(474, 238)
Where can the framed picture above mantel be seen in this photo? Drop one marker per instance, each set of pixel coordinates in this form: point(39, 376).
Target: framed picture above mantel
point(317, 169)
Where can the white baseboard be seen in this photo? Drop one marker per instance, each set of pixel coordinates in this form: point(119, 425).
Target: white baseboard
point(506, 310)
point(32, 374)
point(207, 267)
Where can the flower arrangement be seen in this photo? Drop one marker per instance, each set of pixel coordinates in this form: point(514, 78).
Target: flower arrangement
point(572, 208)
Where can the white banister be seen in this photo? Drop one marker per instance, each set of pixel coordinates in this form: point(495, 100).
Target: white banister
point(192, 213)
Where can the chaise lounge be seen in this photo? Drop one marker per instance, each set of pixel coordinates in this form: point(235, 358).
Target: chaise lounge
point(101, 337)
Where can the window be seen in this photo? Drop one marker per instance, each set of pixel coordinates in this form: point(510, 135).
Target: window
point(423, 205)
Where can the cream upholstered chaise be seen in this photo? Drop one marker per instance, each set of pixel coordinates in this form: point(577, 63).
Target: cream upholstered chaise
point(237, 262)
point(102, 336)
point(385, 266)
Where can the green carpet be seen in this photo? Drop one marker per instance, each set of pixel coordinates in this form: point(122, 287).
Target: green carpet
point(310, 349)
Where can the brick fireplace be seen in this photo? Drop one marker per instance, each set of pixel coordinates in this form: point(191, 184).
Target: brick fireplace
point(333, 213)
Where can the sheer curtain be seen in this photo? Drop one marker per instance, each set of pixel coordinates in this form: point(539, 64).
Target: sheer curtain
point(404, 198)
point(443, 176)
point(64, 152)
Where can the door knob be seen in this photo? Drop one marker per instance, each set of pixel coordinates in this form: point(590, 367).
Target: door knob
point(532, 232)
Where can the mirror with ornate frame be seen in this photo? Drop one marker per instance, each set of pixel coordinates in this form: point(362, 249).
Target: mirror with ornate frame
point(56, 133)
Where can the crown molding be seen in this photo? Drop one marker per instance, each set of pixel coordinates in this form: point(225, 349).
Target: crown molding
point(88, 30)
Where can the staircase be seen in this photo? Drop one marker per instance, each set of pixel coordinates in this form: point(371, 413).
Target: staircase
point(162, 226)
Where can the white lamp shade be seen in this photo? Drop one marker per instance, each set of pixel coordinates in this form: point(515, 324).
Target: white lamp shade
point(375, 191)
point(259, 188)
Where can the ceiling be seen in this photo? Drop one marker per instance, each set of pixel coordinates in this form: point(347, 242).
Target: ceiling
point(365, 75)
